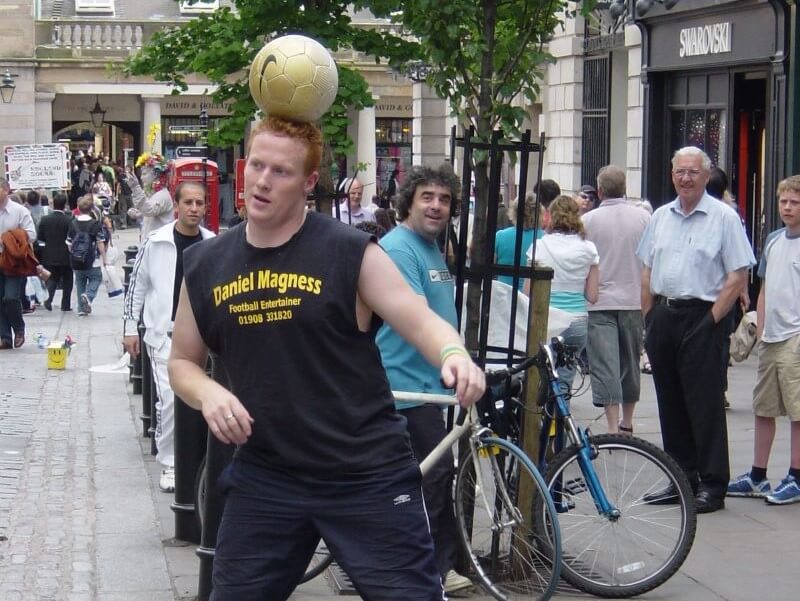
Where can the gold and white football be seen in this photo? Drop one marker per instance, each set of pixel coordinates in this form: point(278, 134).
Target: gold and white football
point(294, 77)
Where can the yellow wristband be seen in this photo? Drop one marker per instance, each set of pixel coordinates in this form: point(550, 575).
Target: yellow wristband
point(449, 350)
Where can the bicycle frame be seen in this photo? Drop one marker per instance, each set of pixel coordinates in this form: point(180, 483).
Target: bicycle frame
point(467, 427)
point(495, 488)
point(578, 437)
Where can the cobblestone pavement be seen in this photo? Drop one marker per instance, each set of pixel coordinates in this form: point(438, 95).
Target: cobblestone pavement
point(77, 521)
point(47, 513)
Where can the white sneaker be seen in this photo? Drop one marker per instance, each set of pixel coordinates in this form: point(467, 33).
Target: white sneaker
point(87, 304)
point(167, 481)
point(453, 581)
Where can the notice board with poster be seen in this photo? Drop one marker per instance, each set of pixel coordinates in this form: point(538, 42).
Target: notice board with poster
point(32, 166)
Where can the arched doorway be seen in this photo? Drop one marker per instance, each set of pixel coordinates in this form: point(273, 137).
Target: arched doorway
point(119, 141)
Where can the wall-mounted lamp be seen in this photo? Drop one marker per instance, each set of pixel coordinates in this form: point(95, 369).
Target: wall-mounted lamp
point(617, 8)
point(8, 86)
point(97, 114)
point(643, 6)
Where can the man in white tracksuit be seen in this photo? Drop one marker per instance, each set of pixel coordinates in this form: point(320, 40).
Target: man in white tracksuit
point(155, 285)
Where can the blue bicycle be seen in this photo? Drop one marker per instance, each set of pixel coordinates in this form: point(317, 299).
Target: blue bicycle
point(625, 508)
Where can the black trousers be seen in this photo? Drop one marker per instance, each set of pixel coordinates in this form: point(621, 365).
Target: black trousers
point(374, 525)
point(684, 346)
point(426, 429)
point(63, 274)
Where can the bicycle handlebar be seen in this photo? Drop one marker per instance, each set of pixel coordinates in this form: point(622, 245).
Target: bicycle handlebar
point(550, 356)
point(435, 399)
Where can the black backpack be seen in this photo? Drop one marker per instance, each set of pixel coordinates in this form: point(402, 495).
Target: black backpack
point(83, 251)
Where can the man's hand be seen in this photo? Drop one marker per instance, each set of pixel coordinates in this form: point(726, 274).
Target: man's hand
point(131, 345)
point(744, 300)
point(459, 372)
point(227, 418)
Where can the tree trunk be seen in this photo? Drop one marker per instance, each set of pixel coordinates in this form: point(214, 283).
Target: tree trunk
point(325, 186)
point(478, 254)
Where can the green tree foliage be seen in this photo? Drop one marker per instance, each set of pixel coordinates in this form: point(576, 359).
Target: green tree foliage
point(222, 44)
point(484, 55)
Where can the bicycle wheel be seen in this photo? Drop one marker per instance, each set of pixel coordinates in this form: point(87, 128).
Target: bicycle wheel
point(512, 559)
point(647, 543)
point(319, 562)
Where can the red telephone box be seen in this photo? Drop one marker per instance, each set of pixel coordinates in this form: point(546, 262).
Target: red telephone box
point(205, 172)
point(238, 202)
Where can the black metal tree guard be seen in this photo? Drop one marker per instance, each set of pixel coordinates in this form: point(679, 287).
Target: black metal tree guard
point(482, 270)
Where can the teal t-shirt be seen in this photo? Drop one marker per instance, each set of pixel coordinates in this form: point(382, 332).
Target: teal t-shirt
point(423, 267)
point(504, 249)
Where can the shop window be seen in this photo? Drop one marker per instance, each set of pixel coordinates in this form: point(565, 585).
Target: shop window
point(393, 151)
point(704, 128)
point(595, 131)
point(393, 131)
point(698, 114)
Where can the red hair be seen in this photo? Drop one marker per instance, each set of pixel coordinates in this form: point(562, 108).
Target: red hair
point(307, 133)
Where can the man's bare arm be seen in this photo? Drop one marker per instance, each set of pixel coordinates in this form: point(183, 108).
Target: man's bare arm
point(382, 289)
point(227, 418)
point(760, 311)
point(734, 284)
point(647, 295)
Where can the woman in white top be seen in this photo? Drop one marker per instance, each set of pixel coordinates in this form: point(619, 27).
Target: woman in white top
point(101, 187)
point(574, 262)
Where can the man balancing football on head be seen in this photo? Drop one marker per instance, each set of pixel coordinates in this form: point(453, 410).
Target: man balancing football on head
point(290, 302)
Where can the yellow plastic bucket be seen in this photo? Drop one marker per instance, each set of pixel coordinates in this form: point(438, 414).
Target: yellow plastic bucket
point(57, 356)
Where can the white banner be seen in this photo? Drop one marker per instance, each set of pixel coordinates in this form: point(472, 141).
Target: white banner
point(32, 166)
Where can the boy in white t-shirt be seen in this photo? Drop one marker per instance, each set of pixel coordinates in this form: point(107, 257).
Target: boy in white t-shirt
point(777, 390)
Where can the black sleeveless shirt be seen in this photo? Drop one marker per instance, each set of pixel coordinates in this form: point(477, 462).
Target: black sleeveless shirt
point(284, 322)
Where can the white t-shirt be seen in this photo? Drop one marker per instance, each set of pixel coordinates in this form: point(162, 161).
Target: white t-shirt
point(780, 265)
point(570, 257)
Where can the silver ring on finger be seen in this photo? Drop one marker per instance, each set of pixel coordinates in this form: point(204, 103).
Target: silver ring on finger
point(229, 417)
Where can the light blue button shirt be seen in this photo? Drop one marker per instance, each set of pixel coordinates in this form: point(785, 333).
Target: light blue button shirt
point(690, 256)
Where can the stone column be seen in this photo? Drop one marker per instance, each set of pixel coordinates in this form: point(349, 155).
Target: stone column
point(430, 133)
point(365, 153)
point(562, 99)
point(151, 114)
point(43, 117)
point(633, 167)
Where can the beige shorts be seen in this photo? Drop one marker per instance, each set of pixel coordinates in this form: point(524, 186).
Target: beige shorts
point(777, 390)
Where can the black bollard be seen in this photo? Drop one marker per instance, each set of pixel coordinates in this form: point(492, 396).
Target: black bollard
point(135, 376)
point(191, 432)
point(127, 269)
point(218, 456)
point(131, 252)
point(148, 418)
point(144, 376)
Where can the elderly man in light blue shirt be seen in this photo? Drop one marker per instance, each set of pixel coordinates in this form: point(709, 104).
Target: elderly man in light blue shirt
point(696, 256)
point(350, 210)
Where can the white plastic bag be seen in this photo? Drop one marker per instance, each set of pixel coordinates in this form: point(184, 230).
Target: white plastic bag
point(112, 255)
point(500, 318)
point(112, 281)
